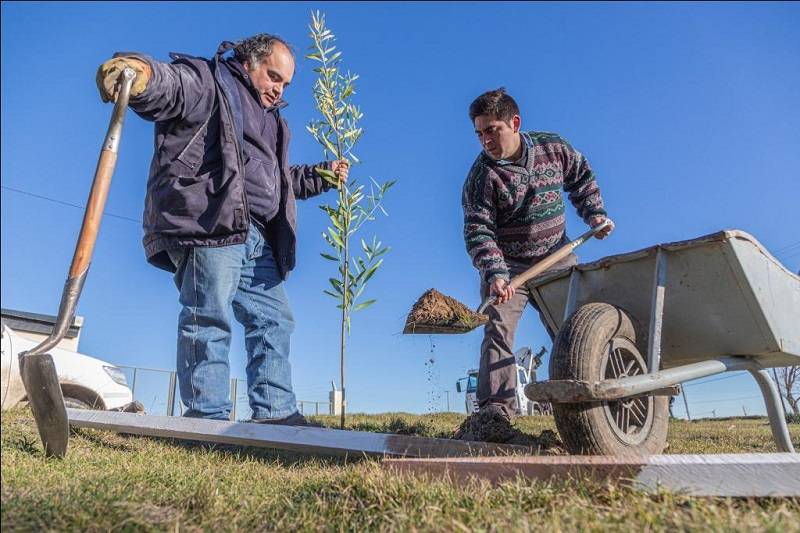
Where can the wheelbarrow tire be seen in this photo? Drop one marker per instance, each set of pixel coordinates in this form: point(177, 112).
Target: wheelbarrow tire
point(582, 351)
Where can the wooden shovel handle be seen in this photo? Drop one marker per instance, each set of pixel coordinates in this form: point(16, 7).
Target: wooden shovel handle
point(102, 180)
point(556, 256)
point(94, 213)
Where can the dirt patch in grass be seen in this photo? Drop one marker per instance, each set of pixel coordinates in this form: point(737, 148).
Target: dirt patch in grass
point(436, 313)
point(487, 426)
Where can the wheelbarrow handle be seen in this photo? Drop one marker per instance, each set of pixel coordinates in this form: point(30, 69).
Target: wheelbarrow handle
point(548, 261)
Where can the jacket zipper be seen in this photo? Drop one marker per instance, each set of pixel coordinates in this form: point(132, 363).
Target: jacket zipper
point(239, 160)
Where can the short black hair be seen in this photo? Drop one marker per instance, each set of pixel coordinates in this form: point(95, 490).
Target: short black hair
point(255, 48)
point(497, 104)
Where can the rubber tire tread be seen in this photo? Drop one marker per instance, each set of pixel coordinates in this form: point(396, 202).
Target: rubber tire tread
point(577, 354)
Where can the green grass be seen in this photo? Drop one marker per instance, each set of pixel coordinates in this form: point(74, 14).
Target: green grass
point(111, 482)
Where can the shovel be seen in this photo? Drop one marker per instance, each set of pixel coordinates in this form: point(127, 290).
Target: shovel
point(36, 366)
point(436, 313)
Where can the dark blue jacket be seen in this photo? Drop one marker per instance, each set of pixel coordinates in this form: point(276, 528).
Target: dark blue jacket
point(196, 187)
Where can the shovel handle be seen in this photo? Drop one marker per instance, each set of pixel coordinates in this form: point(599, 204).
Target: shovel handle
point(91, 218)
point(102, 179)
point(557, 256)
point(548, 261)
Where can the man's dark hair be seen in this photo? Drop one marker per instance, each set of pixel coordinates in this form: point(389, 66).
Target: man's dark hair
point(496, 104)
point(255, 48)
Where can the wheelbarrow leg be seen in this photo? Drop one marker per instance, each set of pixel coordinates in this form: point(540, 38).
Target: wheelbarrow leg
point(777, 418)
point(657, 312)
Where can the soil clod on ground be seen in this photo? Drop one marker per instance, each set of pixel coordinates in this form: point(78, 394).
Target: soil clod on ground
point(488, 426)
point(436, 313)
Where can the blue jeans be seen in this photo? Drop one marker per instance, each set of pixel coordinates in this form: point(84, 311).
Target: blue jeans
point(211, 281)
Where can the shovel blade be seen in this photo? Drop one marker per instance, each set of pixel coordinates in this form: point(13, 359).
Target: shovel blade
point(428, 329)
point(47, 402)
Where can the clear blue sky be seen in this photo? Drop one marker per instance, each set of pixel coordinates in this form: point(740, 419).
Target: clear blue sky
point(688, 113)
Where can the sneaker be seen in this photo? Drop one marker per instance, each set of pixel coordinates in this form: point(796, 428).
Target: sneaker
point(294, 419)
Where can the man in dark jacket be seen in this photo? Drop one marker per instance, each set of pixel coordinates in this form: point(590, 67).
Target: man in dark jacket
point(220, 213)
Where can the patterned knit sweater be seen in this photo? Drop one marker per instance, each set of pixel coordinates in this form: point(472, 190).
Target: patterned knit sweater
point(517, 212)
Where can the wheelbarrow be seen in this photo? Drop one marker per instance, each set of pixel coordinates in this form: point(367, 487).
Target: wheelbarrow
point(629, 329)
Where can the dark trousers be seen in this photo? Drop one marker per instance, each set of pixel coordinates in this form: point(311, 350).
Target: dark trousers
point(497, 376)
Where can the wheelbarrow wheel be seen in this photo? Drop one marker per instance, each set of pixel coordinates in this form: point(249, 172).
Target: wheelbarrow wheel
point(599, 342)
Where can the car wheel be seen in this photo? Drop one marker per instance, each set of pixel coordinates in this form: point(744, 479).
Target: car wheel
point(74, 403)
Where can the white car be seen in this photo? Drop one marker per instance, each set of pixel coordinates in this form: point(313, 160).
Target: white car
point(87, 383)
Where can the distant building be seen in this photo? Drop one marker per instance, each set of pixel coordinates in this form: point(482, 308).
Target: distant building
point(38, 327)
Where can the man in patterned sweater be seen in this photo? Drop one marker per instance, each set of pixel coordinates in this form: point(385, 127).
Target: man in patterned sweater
point(514, 215)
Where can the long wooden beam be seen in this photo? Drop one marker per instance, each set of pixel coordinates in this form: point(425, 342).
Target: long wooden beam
point(299, 439)
point(738, 475)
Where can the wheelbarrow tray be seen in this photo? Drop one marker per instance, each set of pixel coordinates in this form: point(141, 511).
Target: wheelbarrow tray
point(725, 295)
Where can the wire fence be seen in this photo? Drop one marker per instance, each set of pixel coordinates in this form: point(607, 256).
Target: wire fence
point(752, 404)
point(157, 391)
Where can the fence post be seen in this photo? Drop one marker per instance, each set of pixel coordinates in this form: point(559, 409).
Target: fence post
point(686, 403)
point(171, 394)
point(233, 399)
point(133, 384)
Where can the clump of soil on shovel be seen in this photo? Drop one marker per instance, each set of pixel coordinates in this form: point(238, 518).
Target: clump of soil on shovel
point(436, 313)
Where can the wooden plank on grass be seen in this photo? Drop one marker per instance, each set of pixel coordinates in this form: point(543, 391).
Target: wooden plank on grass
point(298, 439)
point(740, 475)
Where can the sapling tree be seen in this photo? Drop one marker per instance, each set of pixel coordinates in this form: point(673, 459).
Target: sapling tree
point(338, 131)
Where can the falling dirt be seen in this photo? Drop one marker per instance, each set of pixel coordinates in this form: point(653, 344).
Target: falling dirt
point(436, 313)
point(487, 426)
point(432, 375)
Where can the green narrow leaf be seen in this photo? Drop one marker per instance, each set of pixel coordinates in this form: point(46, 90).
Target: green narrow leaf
point(364, 305)
point(335, 237)
point(335, 221)
point(328, 176)
point(371, 271)
point(329, 257)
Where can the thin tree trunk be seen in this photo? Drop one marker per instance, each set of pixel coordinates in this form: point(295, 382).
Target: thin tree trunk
point(345, 306)
point(789, 375)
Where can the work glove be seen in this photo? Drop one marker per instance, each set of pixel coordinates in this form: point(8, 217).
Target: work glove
point(109, 72)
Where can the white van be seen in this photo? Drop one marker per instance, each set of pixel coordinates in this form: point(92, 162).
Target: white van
point(526, 363)
point(87, 383)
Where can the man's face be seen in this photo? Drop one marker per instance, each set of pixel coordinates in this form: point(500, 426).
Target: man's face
point(499, 139)
point(272, 74)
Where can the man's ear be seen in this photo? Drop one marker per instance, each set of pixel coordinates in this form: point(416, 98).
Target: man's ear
point(516, 122)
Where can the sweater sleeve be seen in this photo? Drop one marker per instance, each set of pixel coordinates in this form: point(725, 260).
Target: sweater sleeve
point(580, 184)
point(480, 224)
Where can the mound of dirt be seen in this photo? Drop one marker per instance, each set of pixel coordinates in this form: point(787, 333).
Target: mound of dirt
point(436, 313)
point(487, 426)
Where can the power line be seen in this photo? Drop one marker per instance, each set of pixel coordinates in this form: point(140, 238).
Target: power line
point(61, 202)
point(729, 399)
point(795, 244)
point(713, 380)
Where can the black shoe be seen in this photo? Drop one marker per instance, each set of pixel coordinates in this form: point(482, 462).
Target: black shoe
point(294, 419)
